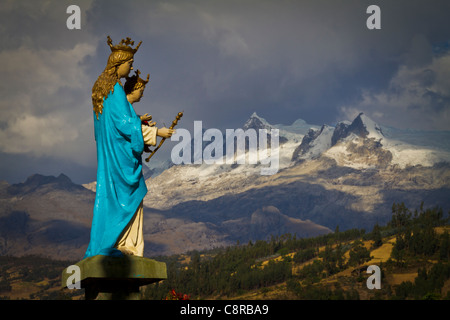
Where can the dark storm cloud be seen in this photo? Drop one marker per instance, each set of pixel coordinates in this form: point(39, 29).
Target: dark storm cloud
point(220, 61)
point(38, 24)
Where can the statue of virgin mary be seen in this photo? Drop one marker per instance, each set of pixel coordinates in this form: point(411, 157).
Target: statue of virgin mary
point(117, 216)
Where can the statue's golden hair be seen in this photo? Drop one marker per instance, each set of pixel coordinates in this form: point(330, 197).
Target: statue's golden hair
point(108, 78)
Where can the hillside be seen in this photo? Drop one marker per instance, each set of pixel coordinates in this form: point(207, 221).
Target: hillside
point(45, 215)
point(412, 251)
point(33, 278)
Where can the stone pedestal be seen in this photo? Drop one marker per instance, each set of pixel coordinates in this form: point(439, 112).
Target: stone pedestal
point(115, 278)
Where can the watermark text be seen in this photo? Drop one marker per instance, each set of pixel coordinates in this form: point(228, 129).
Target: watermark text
point(194, 151)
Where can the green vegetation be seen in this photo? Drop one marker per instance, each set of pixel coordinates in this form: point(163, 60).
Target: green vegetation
point(320, 264)
point(427, 285)
point(234, 270)
point(32, 277)
point(412, 251)
point(415, 235)
point(358, 254)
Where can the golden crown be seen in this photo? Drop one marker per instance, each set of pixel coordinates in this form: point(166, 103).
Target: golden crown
point(139, 79)
point(124, 45)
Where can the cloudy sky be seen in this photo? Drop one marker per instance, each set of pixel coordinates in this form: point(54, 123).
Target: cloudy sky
point(218, 61)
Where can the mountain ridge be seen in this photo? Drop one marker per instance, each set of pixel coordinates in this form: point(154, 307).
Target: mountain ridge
point(45, 215)
point(352, 183)
point(347, 175)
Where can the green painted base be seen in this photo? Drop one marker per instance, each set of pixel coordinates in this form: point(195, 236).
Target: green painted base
point(114, 278)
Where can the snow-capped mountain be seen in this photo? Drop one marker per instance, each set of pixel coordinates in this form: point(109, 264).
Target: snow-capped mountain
point(155, 167)
point(363, 144)
point(348, 174)
point(256, 122)
point(291, 132)
point(345, 143)
point(314, 143)
point(289, 138)
point(360, 143)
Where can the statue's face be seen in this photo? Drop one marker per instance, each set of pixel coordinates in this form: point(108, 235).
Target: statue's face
point(124, 69)
point(136, 95)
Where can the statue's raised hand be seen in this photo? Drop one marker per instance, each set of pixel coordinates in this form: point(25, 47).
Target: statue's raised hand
point(146, 117)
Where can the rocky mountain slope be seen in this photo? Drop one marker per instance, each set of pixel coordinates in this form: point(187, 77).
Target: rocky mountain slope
point(45, 215)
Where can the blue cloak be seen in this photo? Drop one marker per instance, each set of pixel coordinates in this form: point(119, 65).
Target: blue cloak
point(120, 183)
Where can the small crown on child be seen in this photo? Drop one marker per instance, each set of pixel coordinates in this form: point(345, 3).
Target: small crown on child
point(124, 45)
point(139, 79)
point(135, 82)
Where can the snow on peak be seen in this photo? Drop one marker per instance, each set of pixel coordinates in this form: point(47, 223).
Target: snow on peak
point(314, 143)
point(255, 116)
point(322, 141)
point(373, 129)
point(256, 122)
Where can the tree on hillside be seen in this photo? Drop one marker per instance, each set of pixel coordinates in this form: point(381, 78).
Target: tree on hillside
point(358, 254)
point(401, 216)
point(423, 241)
point(333, 260)
point(444, 250)
point(376, 236)
point(398, 250)
point(304, 255)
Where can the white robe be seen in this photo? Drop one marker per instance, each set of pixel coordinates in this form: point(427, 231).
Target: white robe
point(131, 241)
